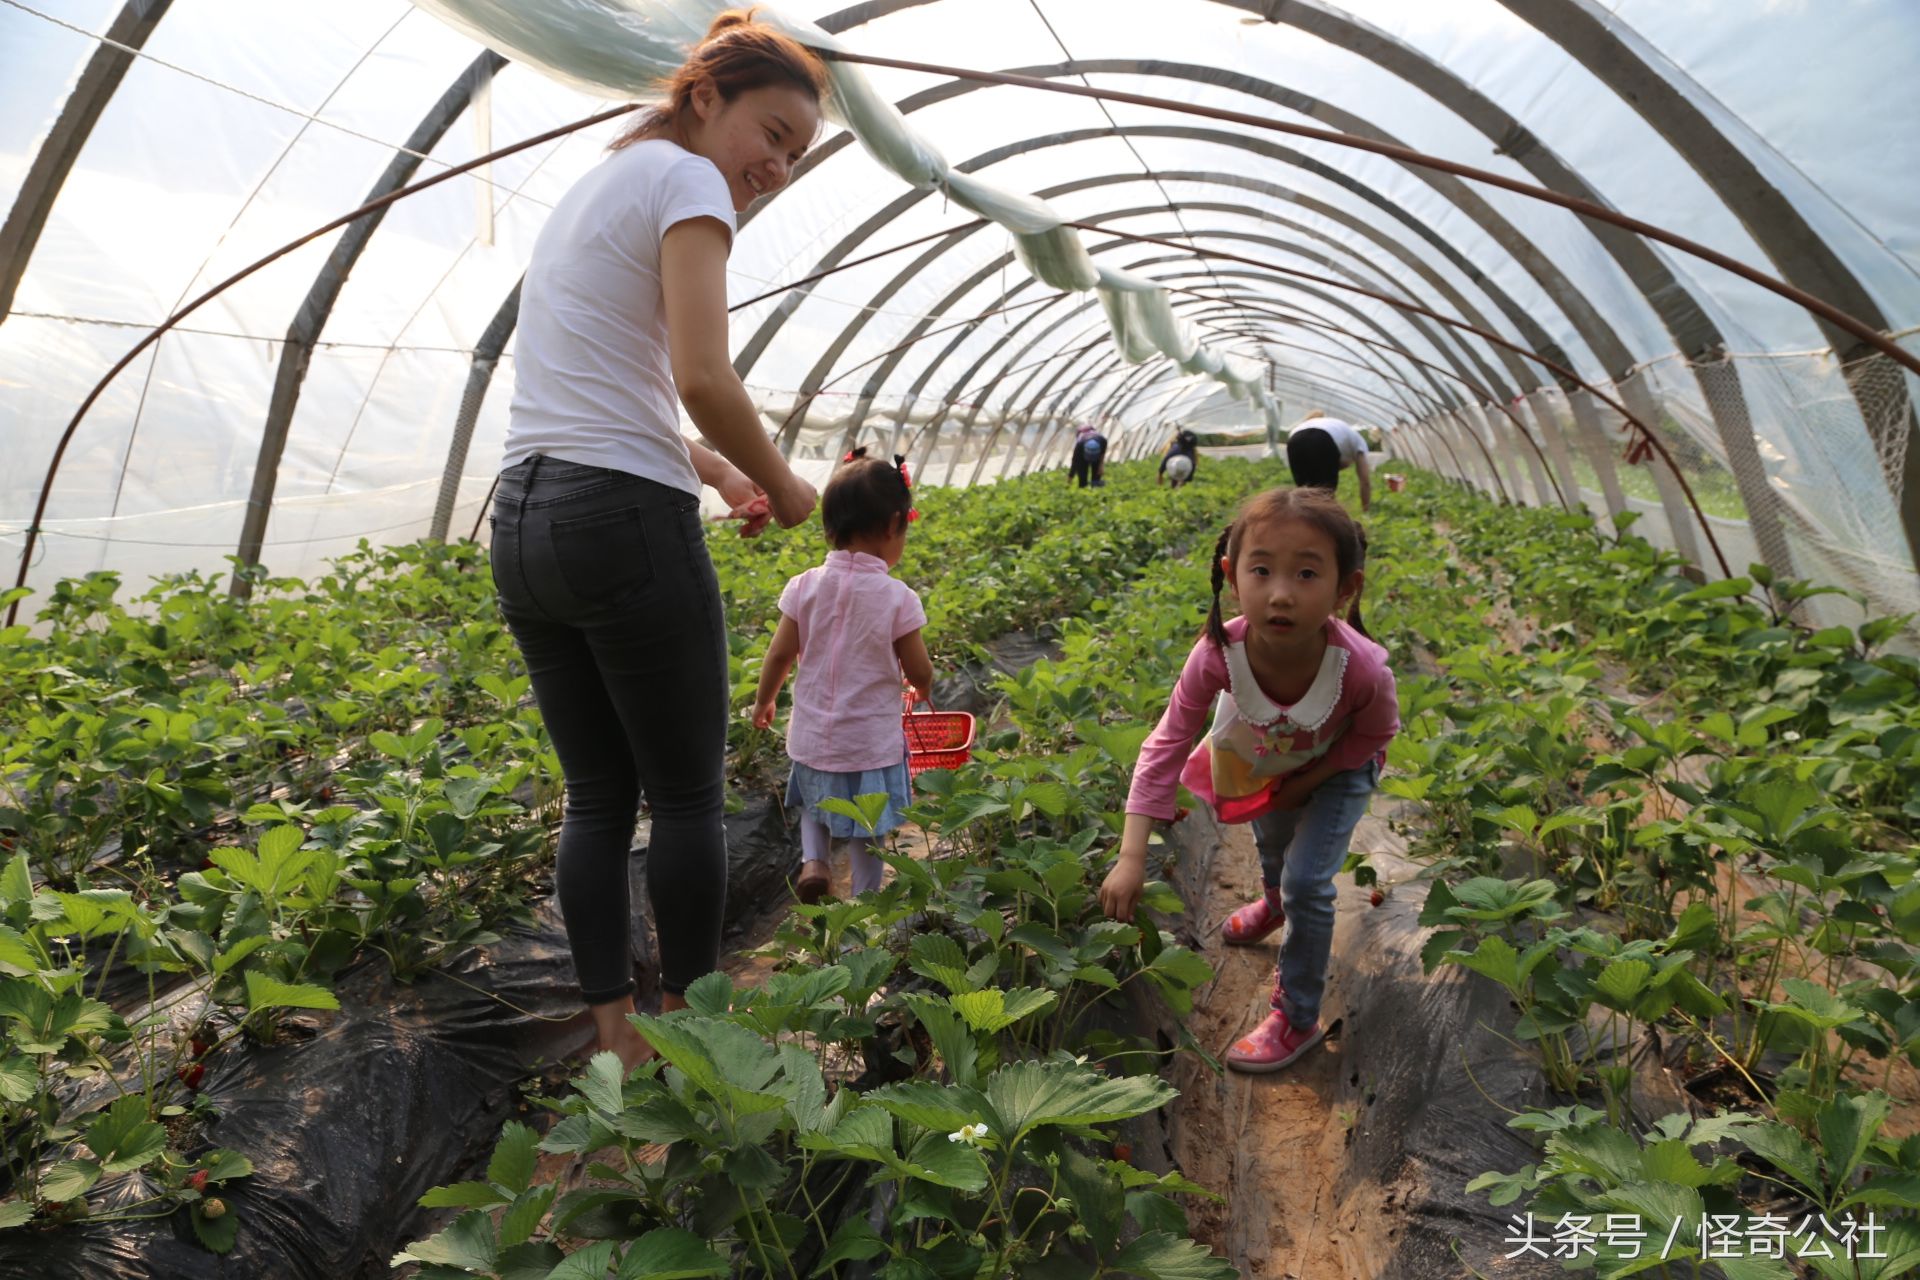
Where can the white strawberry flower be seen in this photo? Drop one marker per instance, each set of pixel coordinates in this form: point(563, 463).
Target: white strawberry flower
point(969, 1134)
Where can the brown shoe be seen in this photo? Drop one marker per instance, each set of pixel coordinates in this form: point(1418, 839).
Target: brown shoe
point(814, 882)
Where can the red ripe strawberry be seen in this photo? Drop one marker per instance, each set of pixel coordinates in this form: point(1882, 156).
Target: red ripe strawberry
point(191, 1073)
point(197, 1179)
point(199, 1046)
point(1377, 898)
point(1123, 1151)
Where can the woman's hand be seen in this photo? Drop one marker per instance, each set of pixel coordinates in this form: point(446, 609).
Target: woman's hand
point(745, 501)
point(792, 502)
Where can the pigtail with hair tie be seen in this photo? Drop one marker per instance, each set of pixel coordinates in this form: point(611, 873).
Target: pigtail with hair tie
point(906, 482)
point(1216, 628)
point(1353, 611)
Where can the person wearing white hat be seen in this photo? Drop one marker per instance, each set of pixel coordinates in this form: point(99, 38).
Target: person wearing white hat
point(1177, 463)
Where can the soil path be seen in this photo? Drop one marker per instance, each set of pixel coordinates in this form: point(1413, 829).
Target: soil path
point(1273, 1145)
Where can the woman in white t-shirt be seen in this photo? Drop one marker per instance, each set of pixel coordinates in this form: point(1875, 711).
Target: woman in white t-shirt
point(1321, 447)
point(598, 553)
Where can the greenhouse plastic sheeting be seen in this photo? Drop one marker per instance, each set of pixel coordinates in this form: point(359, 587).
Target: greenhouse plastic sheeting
point(217, 147)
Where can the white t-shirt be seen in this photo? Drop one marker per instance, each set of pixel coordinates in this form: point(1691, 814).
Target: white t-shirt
point(1351, 443)
point(592, 380)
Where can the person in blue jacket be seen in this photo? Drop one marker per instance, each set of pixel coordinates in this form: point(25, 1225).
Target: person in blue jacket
point(1089, 465)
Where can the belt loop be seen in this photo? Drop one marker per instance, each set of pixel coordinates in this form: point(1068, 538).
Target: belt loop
point(526, 489)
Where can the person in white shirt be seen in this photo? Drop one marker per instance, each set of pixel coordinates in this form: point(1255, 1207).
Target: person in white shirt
point(1178, 461)
point(599, 556)
point(1321, 447)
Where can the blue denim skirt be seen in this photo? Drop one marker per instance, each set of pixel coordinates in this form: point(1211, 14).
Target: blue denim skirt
point(807, 787)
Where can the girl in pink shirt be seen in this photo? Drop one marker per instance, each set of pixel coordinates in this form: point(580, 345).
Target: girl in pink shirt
point(854, 629)
point(1303, 708)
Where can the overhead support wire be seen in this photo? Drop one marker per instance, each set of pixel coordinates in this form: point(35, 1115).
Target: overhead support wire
point(1820, 308)
point(1256, 307)
point(1568, 375)
point(55, 157)
point(1406, 155)
point(372, 206)
point(296, 353)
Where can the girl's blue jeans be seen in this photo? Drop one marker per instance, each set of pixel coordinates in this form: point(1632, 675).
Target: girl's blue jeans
point(1300, 852)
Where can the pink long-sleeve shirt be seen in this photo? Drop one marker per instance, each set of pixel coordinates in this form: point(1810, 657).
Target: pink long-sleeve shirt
point(1347, 716)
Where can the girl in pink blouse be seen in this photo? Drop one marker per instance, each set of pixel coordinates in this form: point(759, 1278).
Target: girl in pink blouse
point(854, 630)
point(1303, 707)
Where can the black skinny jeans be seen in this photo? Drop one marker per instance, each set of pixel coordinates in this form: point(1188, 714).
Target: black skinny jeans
point(1084, 470)
point(1080, 470)
point(605, 583)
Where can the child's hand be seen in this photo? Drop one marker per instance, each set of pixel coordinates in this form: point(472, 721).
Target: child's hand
point(754, 513)
point(763, 714)
point(1120, 891)
point(746, 501)
point(1290, 795)
point(1296, 791)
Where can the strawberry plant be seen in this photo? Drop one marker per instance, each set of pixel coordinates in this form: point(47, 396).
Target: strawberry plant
point(1719, 826)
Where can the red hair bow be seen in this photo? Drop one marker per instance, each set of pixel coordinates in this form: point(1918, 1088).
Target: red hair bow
point(900, 463)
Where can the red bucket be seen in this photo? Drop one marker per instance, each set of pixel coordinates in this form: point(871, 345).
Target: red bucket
point(936, 739)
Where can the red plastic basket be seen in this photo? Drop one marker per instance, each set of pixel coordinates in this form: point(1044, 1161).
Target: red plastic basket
point(936, 739)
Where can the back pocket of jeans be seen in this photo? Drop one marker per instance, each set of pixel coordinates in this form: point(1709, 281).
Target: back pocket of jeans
point(603, 557)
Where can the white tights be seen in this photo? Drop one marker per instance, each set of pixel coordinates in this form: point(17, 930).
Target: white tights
point(815, 844)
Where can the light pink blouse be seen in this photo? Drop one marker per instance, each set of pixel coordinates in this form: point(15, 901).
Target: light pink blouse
point(846, 697)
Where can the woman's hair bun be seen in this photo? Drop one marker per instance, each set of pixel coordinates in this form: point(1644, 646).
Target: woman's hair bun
point(727, 19)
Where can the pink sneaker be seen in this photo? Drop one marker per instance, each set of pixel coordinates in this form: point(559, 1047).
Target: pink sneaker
point(1274, 1044)
point(1253, 923)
